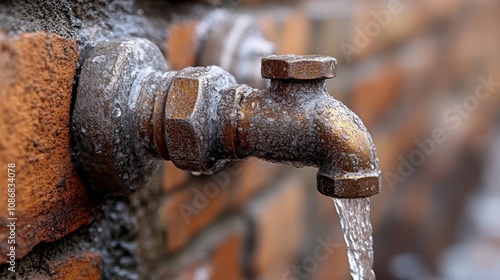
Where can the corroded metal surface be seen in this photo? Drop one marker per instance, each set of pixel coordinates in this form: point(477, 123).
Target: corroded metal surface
point(297, 122)
point(111, 150)
point(129, 113)
point(200, 119)
point(190, 117)
point(298, 67)
point(300, 124)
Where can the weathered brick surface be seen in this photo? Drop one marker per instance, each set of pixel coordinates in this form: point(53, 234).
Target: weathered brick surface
point(221, 259)
point(400, 21)
point(295, 36)
point(279, 220)
point(374, 95)
point(186, 212)
point(189, 210)
point(173, 177)
point(399, 140)
point(336, 266)
point(182, 45)
point(227, 260)
point(82, 266)
point(254, 175)
point(36, 79)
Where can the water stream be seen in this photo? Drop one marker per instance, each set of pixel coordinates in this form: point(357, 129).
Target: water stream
point(354, 216)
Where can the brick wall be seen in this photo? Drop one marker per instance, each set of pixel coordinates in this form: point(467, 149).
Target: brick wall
point(402, 66)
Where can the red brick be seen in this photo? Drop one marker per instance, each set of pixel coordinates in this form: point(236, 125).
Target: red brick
point(406, 24)
point(191, 272)
point(326, 209)
point(390, 145)
point(182, 44)
point(463, 53)
point(188, 211)
point(275, 272)
point(399, 140)
point(255, 176)
point(174, 177)
point(86, 265)
point(294, 37)
point(280, 226)
point(36, 79)
point(412, 20)
point(226, 261)
point(336, 266)
point(373, 96)
point(222, 261)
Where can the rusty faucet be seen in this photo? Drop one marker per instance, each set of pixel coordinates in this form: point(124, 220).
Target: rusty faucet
point(130, 112)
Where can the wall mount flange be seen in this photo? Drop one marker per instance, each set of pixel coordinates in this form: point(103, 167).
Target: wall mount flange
point(109, 148)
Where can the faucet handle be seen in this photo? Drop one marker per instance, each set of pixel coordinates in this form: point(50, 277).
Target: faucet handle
point(298, 67)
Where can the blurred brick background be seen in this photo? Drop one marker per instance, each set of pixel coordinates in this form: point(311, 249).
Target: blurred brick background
point(405, 67)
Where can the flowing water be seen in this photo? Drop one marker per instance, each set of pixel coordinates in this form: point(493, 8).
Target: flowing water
point(354, 216)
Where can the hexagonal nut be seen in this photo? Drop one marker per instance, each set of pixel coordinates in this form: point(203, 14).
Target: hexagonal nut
point(298, 67)
point(179, 124)
point(189, 113)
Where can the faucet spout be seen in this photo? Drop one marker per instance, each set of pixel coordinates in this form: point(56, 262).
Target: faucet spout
point(297, 122)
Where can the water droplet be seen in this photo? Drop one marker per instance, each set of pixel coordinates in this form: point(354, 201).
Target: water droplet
point(125, 176)
point(116, 112)
point(194, 173)
point(99, 59)
point(97, 148)
point(83, 129)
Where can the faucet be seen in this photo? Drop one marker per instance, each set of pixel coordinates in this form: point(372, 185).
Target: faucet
point(130, 113)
